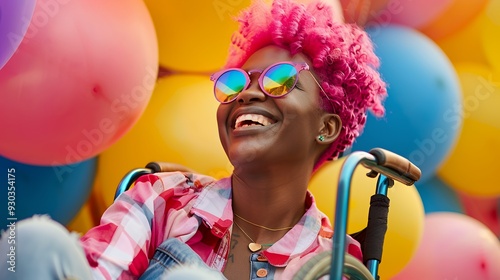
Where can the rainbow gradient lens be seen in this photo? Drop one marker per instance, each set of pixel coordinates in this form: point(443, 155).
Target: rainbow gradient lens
point(279, 79)
point(229, 85)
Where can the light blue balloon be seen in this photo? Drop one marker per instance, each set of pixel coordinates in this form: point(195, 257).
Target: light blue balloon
point(437, 196)
point(423, 106)
point(59, 191)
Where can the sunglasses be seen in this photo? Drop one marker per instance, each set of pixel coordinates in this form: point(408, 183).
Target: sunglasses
point(277, 80)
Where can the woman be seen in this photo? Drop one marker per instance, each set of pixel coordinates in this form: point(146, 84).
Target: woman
point(294, 94)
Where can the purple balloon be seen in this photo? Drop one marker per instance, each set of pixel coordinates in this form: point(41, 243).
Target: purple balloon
point(15, 16)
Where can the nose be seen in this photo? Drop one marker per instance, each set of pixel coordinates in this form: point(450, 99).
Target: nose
point(252, 93)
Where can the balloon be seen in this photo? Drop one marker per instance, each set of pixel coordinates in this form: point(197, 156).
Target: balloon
point(466, 45)
point(15, 16)
point(361, 12)
point(484, 209)
point(410, 13)
point(454, 18)
point(179, 125)
point(194, 39)
point(59, 191)
point(406, 212)
point(490, 32)
point(424, 93)
point(472, 166)
point(454, 246)
point(80, 79)
point(438, 197)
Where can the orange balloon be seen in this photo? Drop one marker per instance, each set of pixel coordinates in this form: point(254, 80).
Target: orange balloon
point(406, 213)
point(466, 45)
point(179, 126)
point(455, 17)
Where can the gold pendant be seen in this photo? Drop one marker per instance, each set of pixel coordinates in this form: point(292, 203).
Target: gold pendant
point(254, 247)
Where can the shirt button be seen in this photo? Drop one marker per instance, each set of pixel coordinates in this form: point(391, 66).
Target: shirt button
point(261, 273)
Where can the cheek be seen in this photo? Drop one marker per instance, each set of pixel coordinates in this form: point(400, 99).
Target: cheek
point(221, 116)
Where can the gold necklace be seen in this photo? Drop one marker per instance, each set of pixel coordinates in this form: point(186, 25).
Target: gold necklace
point(253, 246)
point(264, 227)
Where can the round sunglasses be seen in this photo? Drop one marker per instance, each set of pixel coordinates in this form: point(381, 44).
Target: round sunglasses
point(277, 80)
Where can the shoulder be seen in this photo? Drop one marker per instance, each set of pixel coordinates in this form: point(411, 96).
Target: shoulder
point(169, 184)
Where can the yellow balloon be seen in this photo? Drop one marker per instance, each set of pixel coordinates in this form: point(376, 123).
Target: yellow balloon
point(194, 36)
point(406, 212)
point(472, 166)
point(490, 32)
point(179, 126)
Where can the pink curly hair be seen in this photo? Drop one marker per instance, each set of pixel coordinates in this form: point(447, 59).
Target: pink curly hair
point(342, 57)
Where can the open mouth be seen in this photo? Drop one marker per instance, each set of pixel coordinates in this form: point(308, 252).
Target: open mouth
point(247, 120)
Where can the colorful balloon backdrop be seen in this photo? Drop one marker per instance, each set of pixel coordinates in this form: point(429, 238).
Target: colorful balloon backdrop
point(421, 121)
point(80, 79)
point(484, 209)
point(456, 16)
point(194, 39)
point(437, 196)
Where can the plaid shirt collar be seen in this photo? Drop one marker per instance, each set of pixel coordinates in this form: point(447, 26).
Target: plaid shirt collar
point(214, 206)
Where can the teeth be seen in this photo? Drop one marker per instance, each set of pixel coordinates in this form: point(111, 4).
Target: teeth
point(260, 119)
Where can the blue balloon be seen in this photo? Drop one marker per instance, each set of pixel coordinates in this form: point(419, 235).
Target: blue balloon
point(423, 107)
point(59, 191)
point(437, 196)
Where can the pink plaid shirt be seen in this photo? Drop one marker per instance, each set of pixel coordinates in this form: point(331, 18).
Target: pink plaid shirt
point(197, 210)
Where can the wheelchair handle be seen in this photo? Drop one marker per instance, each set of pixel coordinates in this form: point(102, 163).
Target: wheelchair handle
point(391, 167)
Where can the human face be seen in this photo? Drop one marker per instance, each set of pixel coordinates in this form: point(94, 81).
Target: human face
point(258, 129)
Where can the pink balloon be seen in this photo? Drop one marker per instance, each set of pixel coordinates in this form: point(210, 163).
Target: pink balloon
point(454, 246)
point(410, 13)
point(80, 79)
point(15, 16)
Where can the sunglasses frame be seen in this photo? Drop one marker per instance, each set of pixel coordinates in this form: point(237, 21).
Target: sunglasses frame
point(299, 66)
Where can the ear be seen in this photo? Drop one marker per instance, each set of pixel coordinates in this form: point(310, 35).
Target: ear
point(330, 128)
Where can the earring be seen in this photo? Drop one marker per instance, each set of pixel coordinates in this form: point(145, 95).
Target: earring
point(321, 138)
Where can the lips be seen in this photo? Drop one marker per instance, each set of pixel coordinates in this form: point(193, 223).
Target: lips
point(246, 120)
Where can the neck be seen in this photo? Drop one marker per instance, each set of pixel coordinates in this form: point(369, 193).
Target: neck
point(270, 200)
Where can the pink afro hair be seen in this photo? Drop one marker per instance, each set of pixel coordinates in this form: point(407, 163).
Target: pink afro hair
point(342, 57)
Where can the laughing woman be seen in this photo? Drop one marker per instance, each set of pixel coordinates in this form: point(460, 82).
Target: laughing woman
point(293, 95)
